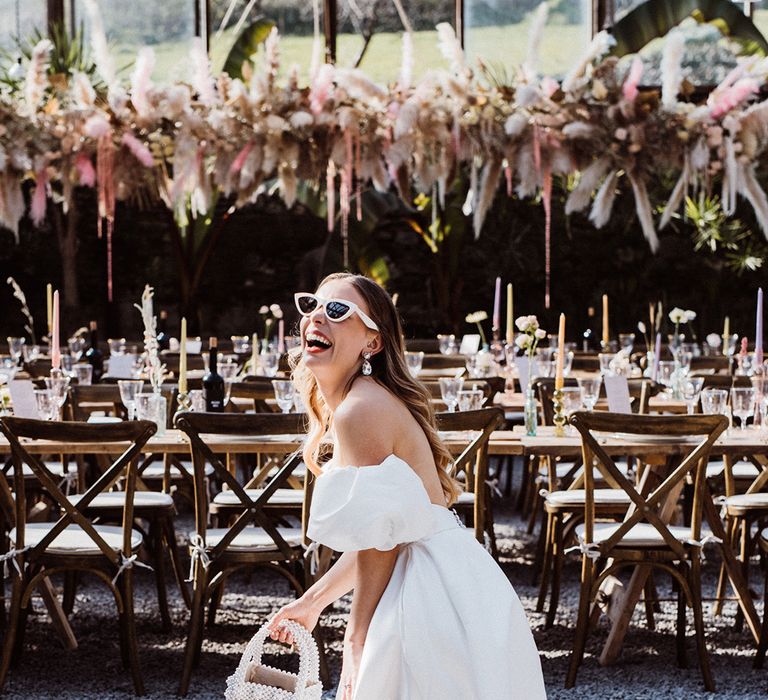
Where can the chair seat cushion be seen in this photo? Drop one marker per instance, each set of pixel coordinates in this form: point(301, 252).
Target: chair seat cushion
point(116, 499)
point(641, 535)
point(576, 497)
point(562, 469)
point(56, 468)
point(741, 469)
point(156, 470)
point(280, 497)
point(252, 538)
point(74, 540)
point(747, 500)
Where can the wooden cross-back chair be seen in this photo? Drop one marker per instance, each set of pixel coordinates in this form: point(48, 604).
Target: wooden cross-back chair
point(153, 507)
point(645, 537)
point(472, 463)
point(450, 363)
point(256, 391)
point(253, 537)
point(73, 542)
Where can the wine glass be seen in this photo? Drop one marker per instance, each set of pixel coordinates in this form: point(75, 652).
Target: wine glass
point(57, 384)
point(8, 367)
point(571, 401)
point(14, 347)
point(284, 394)
point(447, 343)
point(691, 390)
point(198, 402)
point(229, 371)
point(470, 399)
point(413, 361)
point(743, 404)
point(76, 347)
point(567, 362)
point(449, 391)
point(129, 389)
point(270, 362)
point(116, 346)
point(714, 401)
point(590, 391)
point(83, 372)
point(605, 359)
point(30, 353)
point(47, 407)
point(241, 344)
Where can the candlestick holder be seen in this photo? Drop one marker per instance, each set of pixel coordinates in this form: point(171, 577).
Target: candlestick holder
point(184, 401)
point(559, 419)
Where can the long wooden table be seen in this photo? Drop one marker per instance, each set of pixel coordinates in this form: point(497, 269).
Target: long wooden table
point(515, 403)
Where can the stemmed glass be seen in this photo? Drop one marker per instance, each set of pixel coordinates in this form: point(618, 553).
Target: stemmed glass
point(627, 342)
point(590, 391)
point(447, 344)
point(14, 347)
point(691, 389)
point(57, 384)
point(8, 367)
point(571, 402)
point(449, 391)
point(284, 394)
point(241, 344)
point(270, 362)
point(666, 373)
point(470, 399)
point(743, 404)
point(76, 347)
point(413, 361)
point(47, 406)
point(129, 389)
point(228, 371)
point(605, 359)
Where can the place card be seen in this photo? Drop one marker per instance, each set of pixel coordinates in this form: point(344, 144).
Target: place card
point(121, 366)
point(23, 398)
point(617, 392)
point(523, 370)
point(470, 344)
point(194, 347)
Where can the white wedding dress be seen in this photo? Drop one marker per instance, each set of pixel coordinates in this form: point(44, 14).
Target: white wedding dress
point(449, 625)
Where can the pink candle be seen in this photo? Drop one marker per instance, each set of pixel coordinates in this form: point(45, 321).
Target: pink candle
point(281, 336)
point(55, 350)
point(497, 305)
point(656, 358)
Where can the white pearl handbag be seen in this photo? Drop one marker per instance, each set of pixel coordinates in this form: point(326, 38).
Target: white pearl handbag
point(253, 680)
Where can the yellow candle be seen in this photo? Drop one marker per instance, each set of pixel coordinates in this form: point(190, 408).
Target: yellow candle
point(560, 353)
point(254, 353)
point(726, 334)
point(606, 334)
point(49, 299)
point(510, 316)
point(183, 358)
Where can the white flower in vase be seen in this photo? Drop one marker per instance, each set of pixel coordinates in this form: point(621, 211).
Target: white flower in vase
point(678, 316)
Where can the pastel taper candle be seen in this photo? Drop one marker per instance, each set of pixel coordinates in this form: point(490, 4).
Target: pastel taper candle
point(49, 306)
point(759, 330)
point(726, 335)
point(560, 353)
point(183, 358)
point(606, 328)
point(656, 358)
point(497, 305)
point(55, 348)
point(281, 336)
point(254, 353)
point(510, 315)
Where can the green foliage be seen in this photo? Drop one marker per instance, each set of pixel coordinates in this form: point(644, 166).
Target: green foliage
point(68, 56)
point(655, 18)
point(246, 46)
point(715, 232)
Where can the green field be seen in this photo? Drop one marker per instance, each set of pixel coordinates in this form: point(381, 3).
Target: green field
point(505, 45)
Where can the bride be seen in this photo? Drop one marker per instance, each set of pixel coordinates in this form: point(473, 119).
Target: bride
point(433, 617)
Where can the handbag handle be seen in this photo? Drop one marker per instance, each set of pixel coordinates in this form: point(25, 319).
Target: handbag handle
point(309, 658)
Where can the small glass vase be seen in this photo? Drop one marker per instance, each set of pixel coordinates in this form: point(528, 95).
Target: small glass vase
point(531, 412)
point(160, 406)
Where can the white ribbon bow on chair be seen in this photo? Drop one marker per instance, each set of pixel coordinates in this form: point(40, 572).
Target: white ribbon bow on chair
point(10, 556)
point(129, 563)
point(588, 549)
point(198, 552)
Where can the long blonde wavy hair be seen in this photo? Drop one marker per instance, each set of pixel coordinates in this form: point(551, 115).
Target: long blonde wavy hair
point(389, 370)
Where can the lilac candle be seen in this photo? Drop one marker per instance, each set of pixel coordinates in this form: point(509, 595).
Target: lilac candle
point(656, 358)
point(281, 336)
point(759, 330)
point(497, 305)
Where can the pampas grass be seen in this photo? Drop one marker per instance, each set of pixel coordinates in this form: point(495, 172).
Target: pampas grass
point(102, 56)
point(37, 76)
point(18, 293)
point(671, 68)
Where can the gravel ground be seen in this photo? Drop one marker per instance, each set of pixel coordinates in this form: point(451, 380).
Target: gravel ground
point(647, 667)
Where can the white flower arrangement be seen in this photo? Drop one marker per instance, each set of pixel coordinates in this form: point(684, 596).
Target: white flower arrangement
point(620, 364)
point(531, 334)
point(155, 368)
point(270, 314)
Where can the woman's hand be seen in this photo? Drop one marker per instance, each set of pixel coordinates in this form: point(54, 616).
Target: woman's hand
point(302, 611)
point(350, 666)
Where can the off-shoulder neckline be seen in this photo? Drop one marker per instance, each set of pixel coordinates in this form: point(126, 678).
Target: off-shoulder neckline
point(330, 466)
